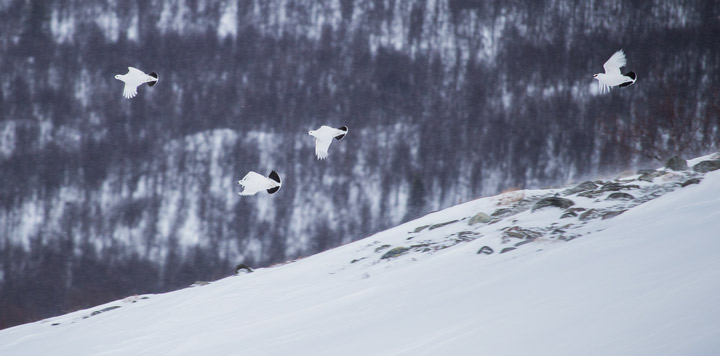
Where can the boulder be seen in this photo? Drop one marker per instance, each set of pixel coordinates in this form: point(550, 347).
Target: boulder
point(485, 250)
point(571, 212)
point(620, 196)
point(590, 214)
point(502, 212)
point(690, 181)
point(707, 166)
point(582, 187)
point(614, 187)
point(479, 218)
point(397, 251)
point(421, 228)
point(507, 249)
point(612, 214)
point(648, 175)
point(433, 227)
point(243, 268)
point(557, 202)
point(676, 164)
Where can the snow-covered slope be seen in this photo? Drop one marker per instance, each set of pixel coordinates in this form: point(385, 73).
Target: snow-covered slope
point(624, 276)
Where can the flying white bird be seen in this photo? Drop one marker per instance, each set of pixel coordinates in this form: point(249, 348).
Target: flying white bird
point(256, 182)
point(133, 79)
point(323, 138)
point(612, 76)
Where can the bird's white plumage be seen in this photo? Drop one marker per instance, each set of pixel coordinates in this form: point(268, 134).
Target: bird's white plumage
point(612, 76)
point(323, 138)
point(255, 182)
point(616, 61)
point(133, 79)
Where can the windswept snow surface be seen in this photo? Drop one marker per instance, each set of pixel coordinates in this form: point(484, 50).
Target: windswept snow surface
point(646, 282)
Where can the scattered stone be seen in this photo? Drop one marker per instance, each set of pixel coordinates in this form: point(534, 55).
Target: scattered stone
point(590, 214)
point(54, 324)
point(243, 268)
point(649, 177)
point(707, 166)
point(520, 233)
point(467, 236)
point(690, 181)
point(582, 187)
point(620, 196)
point(523, 242)
point(357, 260)
point(508, 249)
point(485, 250)
point(589, 194)
point(612, 214)
point(614, 187)
point(442, 224)
point(104, 310)
point(501, 212)
point(676, 164)
point(382, 248)
point(557, 202)
point(572, 212)
point(421, 228)
point(479, 218)
point(397, 251)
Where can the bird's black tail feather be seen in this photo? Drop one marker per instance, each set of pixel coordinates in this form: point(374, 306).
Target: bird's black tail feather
point(340, 137)
point(154, 75)
point(632, 76)
point(274, 176)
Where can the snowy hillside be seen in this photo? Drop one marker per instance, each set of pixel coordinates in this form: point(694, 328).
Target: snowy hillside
point(630, 268)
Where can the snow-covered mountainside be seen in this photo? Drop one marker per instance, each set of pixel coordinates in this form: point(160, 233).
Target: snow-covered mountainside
point(626, 266)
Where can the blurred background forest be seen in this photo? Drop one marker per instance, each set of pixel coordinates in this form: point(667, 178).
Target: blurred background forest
point(446, 101)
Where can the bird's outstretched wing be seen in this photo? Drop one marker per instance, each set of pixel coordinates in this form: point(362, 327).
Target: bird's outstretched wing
point(129, 91)
point(135, 71)
point(321, 147)
point(617, 60)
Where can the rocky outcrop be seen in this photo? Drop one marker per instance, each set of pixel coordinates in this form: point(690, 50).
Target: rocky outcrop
point(707, 166)
point(620, 196)
point(397, 251)
point(562, 203)
point(479, 218)
point(582, 187)
point(676, 164)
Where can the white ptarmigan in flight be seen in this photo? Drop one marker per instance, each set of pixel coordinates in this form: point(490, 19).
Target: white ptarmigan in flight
point(612, 76)
point(135, 78)
point(323, 138)
point(256, 182)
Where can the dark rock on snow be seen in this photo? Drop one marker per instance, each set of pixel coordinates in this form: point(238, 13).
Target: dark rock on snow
point(614, 187)
point(442, 224)
point(502, 212)
point(582, 187)
point(479, 218)
point(243, 268)
point(707, 166)
point(676, 164)
point(620, 196)
point(557, 202)
point(612, 214)
point(690, 181)
point(397, 251)
point(485, 250)
point(649, 176)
